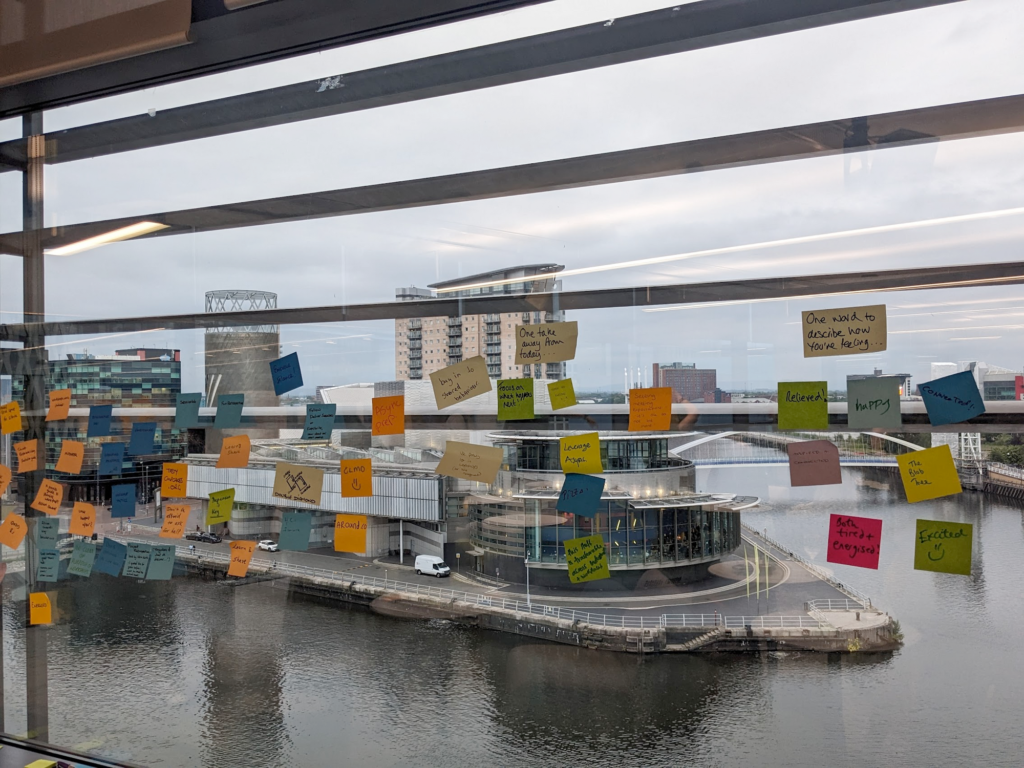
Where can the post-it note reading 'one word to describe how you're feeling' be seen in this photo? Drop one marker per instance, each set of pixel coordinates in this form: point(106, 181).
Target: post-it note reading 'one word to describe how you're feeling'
point(929, 474)
point(873, 403)
point(460, 382)
point(515, 399)
point(469, 461)
point(586, 559)
point(848, 331)
point(952, 399)
point(854, 540)
point(546, 343)
point(814, 462)
point(803, 405)
point(943, 547)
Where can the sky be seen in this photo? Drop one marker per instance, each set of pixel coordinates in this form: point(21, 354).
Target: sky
point(959, 52)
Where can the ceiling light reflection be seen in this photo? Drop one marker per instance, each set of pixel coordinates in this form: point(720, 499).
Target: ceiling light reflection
point(125, 233)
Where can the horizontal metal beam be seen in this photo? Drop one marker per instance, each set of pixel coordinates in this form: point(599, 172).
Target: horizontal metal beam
point(657, 33)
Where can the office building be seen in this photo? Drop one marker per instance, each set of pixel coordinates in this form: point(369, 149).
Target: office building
point(687, 381)
point(903, 378)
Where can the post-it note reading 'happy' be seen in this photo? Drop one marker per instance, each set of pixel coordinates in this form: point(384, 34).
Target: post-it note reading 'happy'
point(561, 394)
point(650, 409)
point(929, 474)
point(469, 461)
point(848, 331)
point(943, 547)
point(873, 403)
point(814, 462)
point(803, 405)
point(388, 416)
point(460, 382)
point(854, 540)
point(581, 454)
point(952, 399)
point(515, 399)
point(546, 343)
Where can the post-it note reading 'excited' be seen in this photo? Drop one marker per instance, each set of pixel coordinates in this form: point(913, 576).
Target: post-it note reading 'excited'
point(943, 547)
point(854, 540)
point(952, 399)
point(803, 405)
point(848, 331)
point(515, 399)
point(650, 409)
point(546, 343)
point(814, 462)
point(873, 403)
point(460, 382)
point(581, 454)
point(469, 461)
point(929, 474)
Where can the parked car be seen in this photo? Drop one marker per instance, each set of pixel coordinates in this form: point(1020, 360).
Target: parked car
point(268, 544)
point(432, 566)
point(203, 536)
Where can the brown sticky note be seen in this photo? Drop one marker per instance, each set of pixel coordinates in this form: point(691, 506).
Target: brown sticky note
point(175, 519)
point(350, 533)
point(388, 415)
point(298, 483)
point(39, 611)
point(71, 454)
point(356, 477)
point(460, 382)
point(83, 519)
point(60, 404)
point(470, 462)
point(49, 497)
point(241, 556)
point(174, 482)
point(13, 530)
point(5, 478)
point(814, 462)
point(10, 418)
point(650, 409)
point(28, 455)
point(847, 331)
point(546, 342)
point(234, 452)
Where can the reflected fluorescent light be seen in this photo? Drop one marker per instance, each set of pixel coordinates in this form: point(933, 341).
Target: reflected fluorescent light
point(963, 328)
point(91, 338)
point(972, 338)
point(124, 233)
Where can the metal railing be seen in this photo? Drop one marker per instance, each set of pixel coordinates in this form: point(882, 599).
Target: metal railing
point(834, 605)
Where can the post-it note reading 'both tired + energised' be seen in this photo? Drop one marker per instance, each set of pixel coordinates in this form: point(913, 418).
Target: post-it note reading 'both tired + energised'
point(803, 405)
point(929, 474)
point(460, 382)
point(814, 462)
point(943, 547)
point(854, 540)
point(952, 399)
point(847, 331)
point(515, 399)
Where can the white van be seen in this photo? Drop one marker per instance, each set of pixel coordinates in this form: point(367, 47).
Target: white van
point(432, 566)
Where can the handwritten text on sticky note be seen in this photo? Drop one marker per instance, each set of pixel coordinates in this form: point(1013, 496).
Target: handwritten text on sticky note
point(546, 343)
point(943, 547)
point(650, 409)
point(469, 461)
point(803, 405)
point(581, 454)
point(515, 399)
point(929, 474)
point(298, 483)
point(873, 403)
point(952, 399)
point(356, 477)
point(388, 415)
point(854, 540)
point(561, 394)
point(586, 559)
point(460, 382)
point(814, 462)
point(848, 331)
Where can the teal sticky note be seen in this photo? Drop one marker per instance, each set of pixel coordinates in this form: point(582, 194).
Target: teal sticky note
point(136, 562)
point(580, 495)
point(111, 458)
point(141, 441)
point(99, 420)
point(122, 500)
point(515, 399)
point(286, 373)
point(82, 558)
point(111, 557)
point(161, 562)
point(873, 403)
point(295, 529)
point(803, 405)
point(186, 410)
point(47, 530)
point(319, 421)
point(952, 399)
point(49, 565)
point(229, 411)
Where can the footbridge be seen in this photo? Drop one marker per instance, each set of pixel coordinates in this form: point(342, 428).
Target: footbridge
point(870, 449)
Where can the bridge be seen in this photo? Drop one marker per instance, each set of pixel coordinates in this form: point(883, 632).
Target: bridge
point(862, 449)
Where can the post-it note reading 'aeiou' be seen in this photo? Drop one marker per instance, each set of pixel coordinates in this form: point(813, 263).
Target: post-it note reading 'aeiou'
point(943, 547)
point(803, 405)
point(586, 559)
point(929, 474)
point(460, 382)
point(848, 331)
point(854, 540)
point(546, 343)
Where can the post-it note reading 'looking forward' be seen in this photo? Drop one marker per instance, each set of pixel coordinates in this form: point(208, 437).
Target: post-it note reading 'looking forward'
point(929, 474)
point(650, 409)
point(515, 399)
point(546, 343)
point(849, 331)
point(952, 399)
point(854, 540)
point(873, 403)
point(581, 454)
point(460, 382)
point(803, 405)
point(943, 547)
point(469, 461)
point(814, 462)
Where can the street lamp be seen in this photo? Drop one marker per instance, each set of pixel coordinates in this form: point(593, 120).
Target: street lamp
point(526, 563)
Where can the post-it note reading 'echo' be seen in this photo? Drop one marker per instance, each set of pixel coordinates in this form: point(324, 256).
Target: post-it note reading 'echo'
point(847, 331)
point(803, 405)
point(929, 474)
point(546, 343)
point(460, 382)
point(943, 547)
point(469, 461)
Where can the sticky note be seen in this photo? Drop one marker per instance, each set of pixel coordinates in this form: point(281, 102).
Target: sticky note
point(650, 409)
point(219, 508)
point(803, 405)
point(873, 403)
point(546, 343)
point(952, 399)
point(137, 560)
point(286, 373)
point(60, 404)
point(13, 530)
point(460, 382)
point(111, 557)
point(186, 409)
point(854, 540)
point(561, 394)
point(350, 533)
point(943, 547)
point(469, 461)
point(174, 481)
point(5, 478)
point(929, 474)
point(48, 497)
point(295, 530)
point(581, 454)
point(515, 399)
point(10, 418)
point(241, 556)
point(814, 462)
point(122, 500)
point(161, 562)
point(319, 421)
point(175, 520)
point(43, 764)
point(229, 411)
point(28, 455)
point(47, 531)
point(587, 559)
point(848, 331)
point(580, 495)
point(111, 458)
point(388, 416)
point(141, 441)
point(83, 519)
point(234, 453)
point(72, 453)
point(82, 558)
point(48, 565)
point(298, 483)
point(99, 420)
point(39, 612)
point(356, 477)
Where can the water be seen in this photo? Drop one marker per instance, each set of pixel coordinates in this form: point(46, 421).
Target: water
point(193, 673)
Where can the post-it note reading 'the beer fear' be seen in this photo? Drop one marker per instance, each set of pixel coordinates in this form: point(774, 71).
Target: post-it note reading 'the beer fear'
point(848, 331)
point(943, 547)
point(854, 540)
point(929, 474)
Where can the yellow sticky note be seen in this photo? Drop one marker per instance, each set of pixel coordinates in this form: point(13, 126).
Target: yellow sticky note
point(39, 611)
point(234, 452)
point(943, 547)
point(241, 556)
point(803, 405)
point(581, 454)
point(174, 482)
point(650, 409)
point(83, 519)
point(587, 559)
point(49, 497)
point(546, 342)
point(298, 483)
point(356, 477)
point(5, 478)
point(60, 404)
point(929, 474)
point(470, 461)
point(71, 454)
point(13, 530)
point(460, 382)
point(847, 331)
point(388, 416)
point(219, 508)
point(42, 764)
point(10, 418)
point(561, 394)
point(350, 533)
point(28, 455)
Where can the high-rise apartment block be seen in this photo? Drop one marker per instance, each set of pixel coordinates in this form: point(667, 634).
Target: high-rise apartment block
point(687, 380)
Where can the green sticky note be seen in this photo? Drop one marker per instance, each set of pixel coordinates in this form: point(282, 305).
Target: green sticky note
point(515, 399)
point(943, 547)
point(587, 559)
point(561, 394)
point(219, 508)
point(803, 405)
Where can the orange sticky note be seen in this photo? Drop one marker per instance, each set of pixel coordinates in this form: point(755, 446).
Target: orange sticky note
point(28, 455)
point(650, 409)
point(388, 415)
point(83, 519)
point(241, 556)
point(10, 418)
point(71, 454)
point(5, 478)
point(356, 477)
point(175, 518)
point(60, 403)
point(234, 452)
point(13, 530)
point(174, 483)
point(49, 497)
point(39, 608)
point(350, 533)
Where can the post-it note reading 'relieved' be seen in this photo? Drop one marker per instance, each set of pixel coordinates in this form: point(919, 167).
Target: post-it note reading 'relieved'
point(297, 483)
point(814, 462)
point(234, 452)
point(83, 519)
point(469, 461)
point(186, 410)
point(72, 453)
point(60, 405)
point(175, 520)
point(122, 500)
point(650, 409)
point(873, 403)
point(286, 373)
point(848, 331)
point(388, 416)
point(49, 497)
point(319, 421)
point(561, 394)
point(39, 609)
point(10, 418)
point(241, 557)
point(515, 399)
point(580, 495)
point(13, 530)
point(229, 411)
point(943, 547)
point(586, 559)
point(356, 477)
point(28, 455)
point(5, 478)
point(546, 343)
point(581, 454)
point(350, 533)
point(99, 421)
point(111, 458)
point(83, 555)
point(854, 540)
point(142, 439)
point(929, 474)
point(460, 382)
point(803, 405)
point(110, 559)
point(218, 510)
point(174, 481)
point(952, 399)
point(295, 530)
point(161, 562)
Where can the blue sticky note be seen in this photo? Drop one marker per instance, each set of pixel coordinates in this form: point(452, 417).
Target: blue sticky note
point(47, 530)
point(49, 565)
point(161, 562)
point(295, 528)
point(952, 399)
point(580, 494)
point(136, 561)
point(286, 373)
point(186, 410)
point(229, 411)
point(111, 558)
point(111, 458)
point(122, 501)
point(141, 442)
point(82, 558)
point(319, 421)
point(99, 420)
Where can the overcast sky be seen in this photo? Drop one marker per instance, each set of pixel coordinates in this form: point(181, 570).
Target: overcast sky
point(959, 52)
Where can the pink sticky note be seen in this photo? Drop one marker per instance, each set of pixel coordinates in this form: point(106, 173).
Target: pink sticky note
point(814, 462)
point(854, 541)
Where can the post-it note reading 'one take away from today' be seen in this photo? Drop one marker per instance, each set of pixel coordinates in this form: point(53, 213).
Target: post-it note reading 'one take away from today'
point(814, 462)
point(650, 409)
point(469, 461)
point(854, 540)
point(515, 399)
point(460, 382)
point(952, 399)
point(873, 403)
point(581, 454)
point(929, 474)
point(803, 405)
point(847, 331)
point(546, 343)
point(943, 547)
